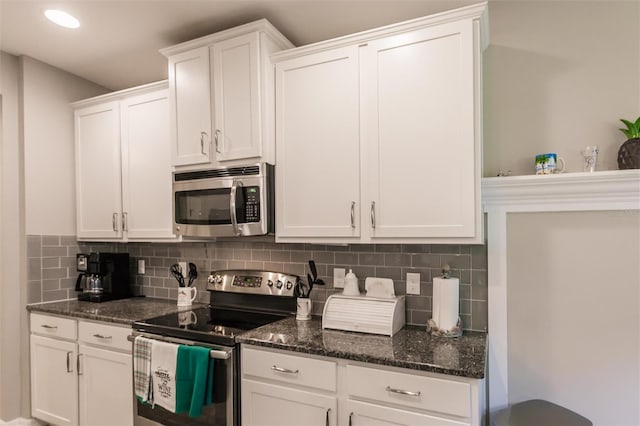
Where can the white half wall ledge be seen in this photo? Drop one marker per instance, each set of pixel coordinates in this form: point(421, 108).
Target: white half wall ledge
point(20, 421)
point(564, 192)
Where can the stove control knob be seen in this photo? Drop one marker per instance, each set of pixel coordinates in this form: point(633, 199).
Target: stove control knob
point(279, 284)
point(289, 285)
point(214, 279)
point(270, 283)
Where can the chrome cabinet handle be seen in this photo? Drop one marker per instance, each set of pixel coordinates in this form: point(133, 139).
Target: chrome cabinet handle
point(232, 206)
point(125, 225)
point(216, 137)
point(114, 222)
point(402, 392)
point(353, 214)
point(203, 135)
point(283, 370)
point(326, 422)
point(373, 214)
point(69, 362)
point(49, 327)
point(100, 336)
point(78, 365)
point(350, 417)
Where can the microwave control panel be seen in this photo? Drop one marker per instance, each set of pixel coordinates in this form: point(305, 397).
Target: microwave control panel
point(252, 203)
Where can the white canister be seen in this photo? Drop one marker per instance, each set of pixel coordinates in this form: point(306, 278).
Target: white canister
point(351, 285)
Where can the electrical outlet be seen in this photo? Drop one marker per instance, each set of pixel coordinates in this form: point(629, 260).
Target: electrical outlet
point(413, 283)
point(338, 277)
point(141, 269)
point(183, 265)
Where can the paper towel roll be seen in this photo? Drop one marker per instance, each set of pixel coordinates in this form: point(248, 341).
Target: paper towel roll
point(446, 292)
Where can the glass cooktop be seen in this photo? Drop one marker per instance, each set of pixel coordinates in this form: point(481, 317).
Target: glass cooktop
point(211, 325)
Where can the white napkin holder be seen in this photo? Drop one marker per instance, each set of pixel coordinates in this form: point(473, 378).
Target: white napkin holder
point(364, 314)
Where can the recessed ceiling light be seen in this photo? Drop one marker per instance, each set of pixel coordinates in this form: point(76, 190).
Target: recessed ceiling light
point(61, 18)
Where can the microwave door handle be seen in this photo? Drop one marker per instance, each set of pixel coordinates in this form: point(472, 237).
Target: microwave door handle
point(232, 206)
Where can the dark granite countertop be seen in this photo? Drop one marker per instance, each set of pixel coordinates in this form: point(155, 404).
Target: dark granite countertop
point(412, 347)
point(124, 311)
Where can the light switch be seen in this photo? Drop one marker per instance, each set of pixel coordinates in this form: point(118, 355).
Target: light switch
point(413, 283)
point(183, 265)
point(141, 269)
point(338, 277)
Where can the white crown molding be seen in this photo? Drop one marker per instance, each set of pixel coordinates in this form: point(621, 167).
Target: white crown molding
point(606, 190)
point(261, 25)
point(121, 94)
point(476, 11)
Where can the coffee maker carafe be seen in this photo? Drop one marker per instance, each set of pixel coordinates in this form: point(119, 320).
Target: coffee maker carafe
point(103, 276)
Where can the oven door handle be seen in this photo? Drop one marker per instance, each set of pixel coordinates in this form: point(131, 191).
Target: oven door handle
point(213, 353)
point(232, 206)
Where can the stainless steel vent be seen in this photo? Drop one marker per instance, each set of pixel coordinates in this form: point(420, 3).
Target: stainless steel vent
point(215, 173)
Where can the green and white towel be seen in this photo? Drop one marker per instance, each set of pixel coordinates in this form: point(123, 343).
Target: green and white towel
point(142, 369)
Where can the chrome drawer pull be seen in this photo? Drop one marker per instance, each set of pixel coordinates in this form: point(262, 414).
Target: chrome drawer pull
point(49, 327)
point(402, 392)
point(283, 370)
point(100, 336)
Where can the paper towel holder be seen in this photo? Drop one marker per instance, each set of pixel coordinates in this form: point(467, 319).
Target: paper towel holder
point(432, 326)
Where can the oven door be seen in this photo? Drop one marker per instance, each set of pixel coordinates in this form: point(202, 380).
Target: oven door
point(222, 411)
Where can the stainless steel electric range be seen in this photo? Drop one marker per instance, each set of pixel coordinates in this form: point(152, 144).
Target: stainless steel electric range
point(240, 300)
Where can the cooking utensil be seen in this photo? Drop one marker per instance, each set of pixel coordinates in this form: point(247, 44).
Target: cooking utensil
point(310, 280)
point(314, 271)
point(193, 273)
point(301, 290)
point(176, 271)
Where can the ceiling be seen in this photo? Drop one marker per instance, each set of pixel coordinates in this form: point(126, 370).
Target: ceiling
point(117, 43)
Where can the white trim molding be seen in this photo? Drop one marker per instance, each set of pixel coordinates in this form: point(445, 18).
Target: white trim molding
point(598, 191)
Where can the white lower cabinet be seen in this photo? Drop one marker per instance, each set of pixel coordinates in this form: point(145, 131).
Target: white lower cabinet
point(105, 387)
point(54, 381)
point(287, 388)
point(81, 372)
point(268, 404)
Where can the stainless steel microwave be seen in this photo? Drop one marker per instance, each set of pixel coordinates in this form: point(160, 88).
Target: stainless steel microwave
point(224, 201)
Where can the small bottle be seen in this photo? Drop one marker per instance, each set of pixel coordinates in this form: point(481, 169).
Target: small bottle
point(351, 284)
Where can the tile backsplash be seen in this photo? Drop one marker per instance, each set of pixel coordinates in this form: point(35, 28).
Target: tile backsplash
point(52, 274)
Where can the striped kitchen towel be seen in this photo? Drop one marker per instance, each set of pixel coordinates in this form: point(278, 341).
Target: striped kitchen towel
point(142, 369)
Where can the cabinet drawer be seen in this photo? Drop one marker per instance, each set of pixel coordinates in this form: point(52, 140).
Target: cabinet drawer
point(299, 370)
point(426, 393)
point(108, 336)
point(47, 325)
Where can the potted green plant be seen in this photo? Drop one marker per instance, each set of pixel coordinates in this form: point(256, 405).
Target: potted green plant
point(629, 152)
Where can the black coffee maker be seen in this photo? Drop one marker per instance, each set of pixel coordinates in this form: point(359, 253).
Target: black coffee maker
point(103, 276)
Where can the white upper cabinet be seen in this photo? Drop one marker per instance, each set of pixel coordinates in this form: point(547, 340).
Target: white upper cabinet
point(420, 164)
point(318, 171)
point(98, 170)
point(236, 97)
point(390, 124)
point(123, 166)
point(227, 76)
point(189, 91)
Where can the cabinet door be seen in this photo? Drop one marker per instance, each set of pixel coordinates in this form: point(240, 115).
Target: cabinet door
point(190, 100)
point(105, 387)
point(421, 146)
point(54, 384)
point(354, 413)
point(318, 140)
point(235, 69)
point(98, 175)
point(146, 166)
point(266, 404)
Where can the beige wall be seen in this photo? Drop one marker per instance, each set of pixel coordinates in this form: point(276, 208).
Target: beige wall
point(37, 163)
point(12, 368)
point(574, 312)
point(49, 146)
point(558, 76)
